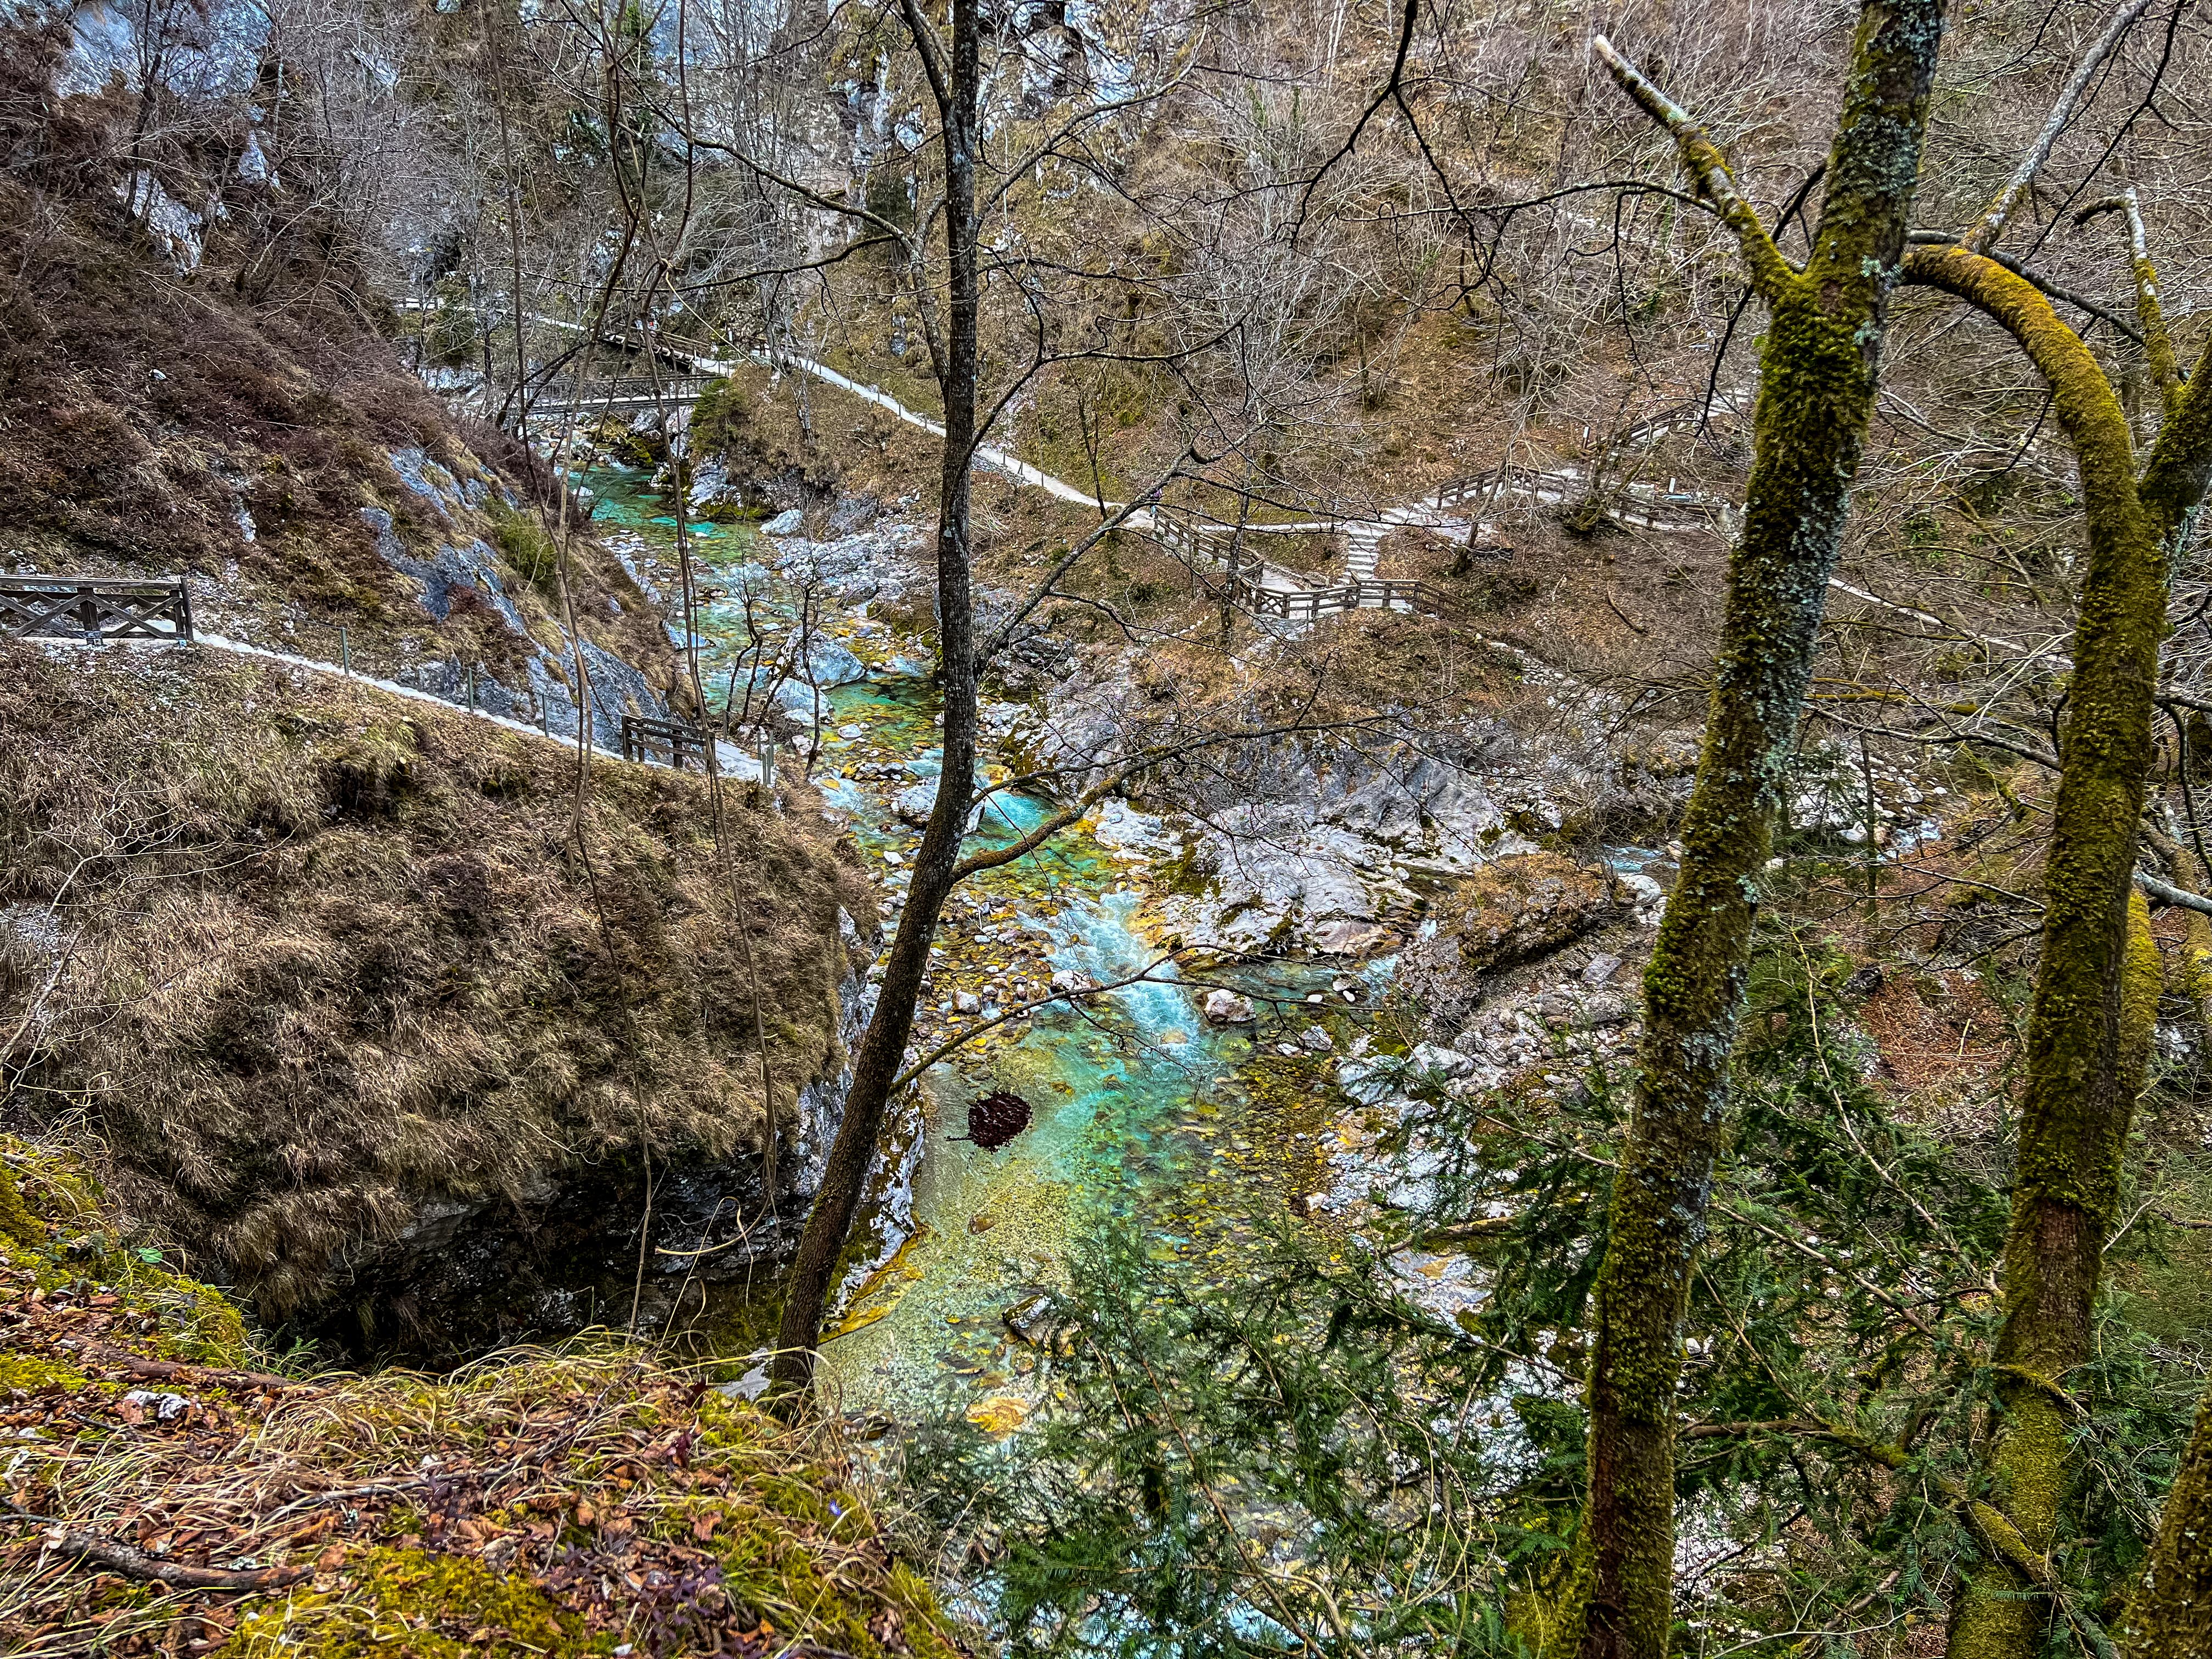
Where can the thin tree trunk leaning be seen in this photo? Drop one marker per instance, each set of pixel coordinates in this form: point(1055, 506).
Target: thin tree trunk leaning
point(955, 79)
point(2088, 1030)
point(1816, 394)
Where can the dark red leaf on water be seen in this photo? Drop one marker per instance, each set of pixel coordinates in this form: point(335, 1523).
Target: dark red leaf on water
point(994, 1120)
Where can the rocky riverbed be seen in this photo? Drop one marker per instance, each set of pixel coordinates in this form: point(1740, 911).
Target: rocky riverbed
point(1235, 1074)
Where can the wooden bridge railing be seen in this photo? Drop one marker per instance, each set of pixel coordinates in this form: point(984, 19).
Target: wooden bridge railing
point(1249, 587)
point(643, 736)
point(555, 396)
point(1642, 505)
point(1354, 594)
point(95, 608)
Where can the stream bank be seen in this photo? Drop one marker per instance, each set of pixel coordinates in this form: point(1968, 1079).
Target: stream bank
point(1148, 1116)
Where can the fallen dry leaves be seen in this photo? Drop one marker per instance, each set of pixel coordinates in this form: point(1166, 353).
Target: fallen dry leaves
point(630, 1503)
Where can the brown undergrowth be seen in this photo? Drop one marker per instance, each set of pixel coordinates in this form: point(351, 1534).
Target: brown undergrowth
point(590, 1501)
point(327, 968)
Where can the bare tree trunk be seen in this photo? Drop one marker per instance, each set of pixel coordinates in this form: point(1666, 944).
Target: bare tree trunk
point(955, 79)
point(1816, 395)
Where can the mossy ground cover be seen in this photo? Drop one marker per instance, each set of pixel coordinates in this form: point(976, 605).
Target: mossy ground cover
point(593, 1501)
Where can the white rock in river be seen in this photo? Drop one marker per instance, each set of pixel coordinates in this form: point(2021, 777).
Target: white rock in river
point(915, 802)
point(1315, 1040)
point(967, 1002)
point(1434, 1057)
point(785, 523)
point(1359, 1079)
point(1222, 1006)
point(1646, 894)
point(830, 663)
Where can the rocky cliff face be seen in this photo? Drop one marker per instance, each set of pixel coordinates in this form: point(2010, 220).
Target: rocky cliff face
point(378, 1017)
point(240, 417)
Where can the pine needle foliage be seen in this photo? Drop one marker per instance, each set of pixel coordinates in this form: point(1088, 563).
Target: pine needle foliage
point(1319, 1463)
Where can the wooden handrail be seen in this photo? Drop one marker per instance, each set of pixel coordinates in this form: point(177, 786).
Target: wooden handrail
point(96, 608)
point(641, 733)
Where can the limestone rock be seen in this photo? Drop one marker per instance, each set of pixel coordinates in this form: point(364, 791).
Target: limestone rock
point(830, 662)
point(1345, 938)
point(1649, 897)
point(913, 803)
point(1448, 1063)
point(1221, 1006)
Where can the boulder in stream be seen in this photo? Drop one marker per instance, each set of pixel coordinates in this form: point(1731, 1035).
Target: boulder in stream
point(1222, 1006)
point(1523, 906)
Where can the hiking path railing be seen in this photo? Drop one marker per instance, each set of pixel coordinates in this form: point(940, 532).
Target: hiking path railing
point(94, 608)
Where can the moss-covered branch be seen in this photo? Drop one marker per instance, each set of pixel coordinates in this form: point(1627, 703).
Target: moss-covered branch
point(2089, 1028)
point(1771, 274)
point(2157, 337)
point(2180, 471)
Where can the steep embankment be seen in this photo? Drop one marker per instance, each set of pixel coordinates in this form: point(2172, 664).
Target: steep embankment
point(583, 1503)
point(188, 387)
point(375, 1016)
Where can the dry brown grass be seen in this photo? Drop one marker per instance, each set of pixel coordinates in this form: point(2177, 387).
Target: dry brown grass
point(1940, 1029)
point(333, 959)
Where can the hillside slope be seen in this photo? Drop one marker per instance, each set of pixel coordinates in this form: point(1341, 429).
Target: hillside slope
point(380, 1018)
point(201, 385)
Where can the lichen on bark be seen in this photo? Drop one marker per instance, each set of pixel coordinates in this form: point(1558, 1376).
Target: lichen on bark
point(1817, 373)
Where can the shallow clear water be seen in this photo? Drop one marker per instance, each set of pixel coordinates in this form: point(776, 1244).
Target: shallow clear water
point(1142, 1110)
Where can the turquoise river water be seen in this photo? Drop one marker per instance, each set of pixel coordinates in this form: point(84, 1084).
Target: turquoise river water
point(1149, 1122)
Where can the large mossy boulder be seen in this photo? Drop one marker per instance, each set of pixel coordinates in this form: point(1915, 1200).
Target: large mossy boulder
point(385, 1020)
point(1524, 906)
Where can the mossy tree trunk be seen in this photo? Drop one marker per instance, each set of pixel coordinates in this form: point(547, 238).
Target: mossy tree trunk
point(1816, 395)
point(955, 79)
point(2096, 983)
point(2170, 1615)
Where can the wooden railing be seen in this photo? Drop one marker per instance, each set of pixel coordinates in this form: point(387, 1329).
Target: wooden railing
point(1264, 589)
point(1641, 506)
point(1353, 593)
point(643, 737)
point(556, 396)
point(94, 608)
